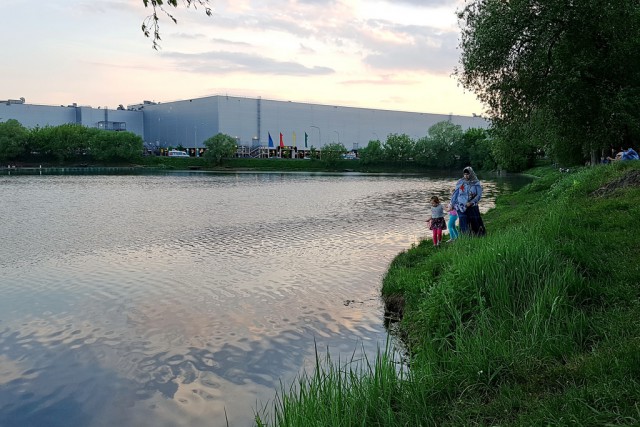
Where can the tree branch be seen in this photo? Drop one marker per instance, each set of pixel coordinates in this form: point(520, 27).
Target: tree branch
point(151, 25)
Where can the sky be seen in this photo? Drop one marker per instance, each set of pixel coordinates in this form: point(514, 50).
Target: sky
point(392, 55)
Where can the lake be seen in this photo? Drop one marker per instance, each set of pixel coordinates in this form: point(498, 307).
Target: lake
point(184, 298)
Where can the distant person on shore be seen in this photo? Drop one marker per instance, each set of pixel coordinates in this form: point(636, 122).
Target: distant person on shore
point(436, 222)
point(617, 157)
point(451, 224)
point(465, 200)
point(629, 154)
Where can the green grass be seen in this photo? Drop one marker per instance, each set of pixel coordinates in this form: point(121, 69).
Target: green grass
point(280, 165)
point(536, 324)
point(356, 392)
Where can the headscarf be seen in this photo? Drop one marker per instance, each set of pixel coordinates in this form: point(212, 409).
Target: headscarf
point(473, 178)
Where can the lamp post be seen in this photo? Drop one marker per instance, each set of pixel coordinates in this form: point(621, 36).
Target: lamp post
point(338, 136)
point(319, 134)
point(195, 140)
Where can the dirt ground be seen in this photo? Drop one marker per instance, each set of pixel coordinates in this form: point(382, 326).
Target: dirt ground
point(630, 179)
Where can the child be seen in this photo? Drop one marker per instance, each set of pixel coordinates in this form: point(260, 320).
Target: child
point(436, 222)
point(453, 217)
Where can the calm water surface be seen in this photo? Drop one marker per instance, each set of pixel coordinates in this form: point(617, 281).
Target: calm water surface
point(170, 300)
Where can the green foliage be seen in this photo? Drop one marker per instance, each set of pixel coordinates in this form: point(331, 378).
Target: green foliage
point(447, 146)
point(13, 140)
point(220, 146)
point(337, 393)
point(476, 150)
point(372, 153)
point(564, 74)
point(73, 141)
point(513, 150)
point(398, 147)
point(66, 143)
point(332, 153)
point(63, 142)
point(441, 147)
point(114, 146)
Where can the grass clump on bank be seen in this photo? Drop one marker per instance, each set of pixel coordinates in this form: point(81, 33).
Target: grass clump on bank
point(536, 324)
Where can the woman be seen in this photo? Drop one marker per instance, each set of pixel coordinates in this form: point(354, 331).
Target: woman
point(465, 200)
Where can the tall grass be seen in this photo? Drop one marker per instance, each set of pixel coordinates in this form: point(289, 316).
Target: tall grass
point(358, 392)
point(536, 324)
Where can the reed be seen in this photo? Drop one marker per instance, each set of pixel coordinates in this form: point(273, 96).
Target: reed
point(341, 393)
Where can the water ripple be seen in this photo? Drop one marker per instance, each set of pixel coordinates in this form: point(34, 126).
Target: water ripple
point(174, 299)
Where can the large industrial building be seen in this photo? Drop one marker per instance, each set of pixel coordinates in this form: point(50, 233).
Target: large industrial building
point(254, 122)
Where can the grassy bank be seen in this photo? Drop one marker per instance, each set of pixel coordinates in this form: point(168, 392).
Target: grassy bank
point(235, 164)
point(536, 324)
point(281, 165)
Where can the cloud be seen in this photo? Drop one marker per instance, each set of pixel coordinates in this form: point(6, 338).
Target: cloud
point(92, 7)
point(427, 3)
point(230, 42)
point(306, 49)
point(380, 46)
point(233, 62)
point(384, 80)
point(189, 36)
point(409, 47)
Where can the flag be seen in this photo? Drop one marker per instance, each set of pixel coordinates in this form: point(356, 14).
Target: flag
point(281, 140)
point(306, 138)
point(294, 139)
point(270, 140)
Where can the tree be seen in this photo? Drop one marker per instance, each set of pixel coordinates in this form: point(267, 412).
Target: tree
point(333, 152)
point(476, 149)
point(573, 63)
point(442, 146)
point(445, 140)
point(63, 142)
point(112, 146)
point(372, 153)
point(151, 22)
point(13, 139)
point(513, 148)
point(219, 147)
point(399, 147)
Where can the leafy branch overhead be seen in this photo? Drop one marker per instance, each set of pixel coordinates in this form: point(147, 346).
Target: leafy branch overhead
point(151, 26)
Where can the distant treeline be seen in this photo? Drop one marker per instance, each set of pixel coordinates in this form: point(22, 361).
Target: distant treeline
point(68, 142)
point(445, 146)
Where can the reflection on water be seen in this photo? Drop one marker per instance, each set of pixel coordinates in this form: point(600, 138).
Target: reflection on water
point(174, 299)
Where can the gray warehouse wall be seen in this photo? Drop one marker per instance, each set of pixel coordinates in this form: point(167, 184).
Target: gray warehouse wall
point(353, 127)
point(90, 117)
point(251, 120)
point(238, 117)
point(187, 123)
point(32, 116)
